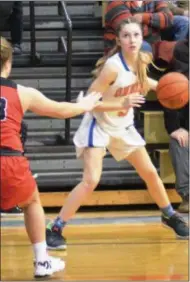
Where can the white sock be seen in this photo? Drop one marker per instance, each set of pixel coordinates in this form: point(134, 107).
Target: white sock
point(40, 251)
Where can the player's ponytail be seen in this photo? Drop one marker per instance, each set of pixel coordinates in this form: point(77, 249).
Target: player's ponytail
point(145, 59)
point(5, 52)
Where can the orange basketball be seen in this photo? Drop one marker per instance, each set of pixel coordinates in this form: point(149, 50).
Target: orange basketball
point(172, 90)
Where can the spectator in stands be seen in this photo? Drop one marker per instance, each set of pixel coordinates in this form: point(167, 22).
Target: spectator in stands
point(121, 76)
point(177, 126)
point(154, 16)
point(180, 61)
point(179, 7)
point(180, 26)
point(11, 13)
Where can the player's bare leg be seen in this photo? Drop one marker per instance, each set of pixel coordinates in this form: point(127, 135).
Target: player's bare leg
point(35, 227)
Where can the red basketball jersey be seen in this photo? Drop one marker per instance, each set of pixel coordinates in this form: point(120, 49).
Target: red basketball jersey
point(11, 115)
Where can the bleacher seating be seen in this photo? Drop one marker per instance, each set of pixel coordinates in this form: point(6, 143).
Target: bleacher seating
point(55, 162)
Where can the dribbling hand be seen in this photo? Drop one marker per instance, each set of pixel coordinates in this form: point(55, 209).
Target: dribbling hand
point(89, 102)
point(133, 100)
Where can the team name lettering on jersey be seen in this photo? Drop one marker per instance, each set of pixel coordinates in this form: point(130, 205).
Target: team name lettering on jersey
point(133, 88)
point(130, 89)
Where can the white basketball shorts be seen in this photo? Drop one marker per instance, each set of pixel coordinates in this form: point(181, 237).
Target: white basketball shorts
point(120, 144)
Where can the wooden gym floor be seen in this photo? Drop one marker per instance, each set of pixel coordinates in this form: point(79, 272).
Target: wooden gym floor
point(109, 246)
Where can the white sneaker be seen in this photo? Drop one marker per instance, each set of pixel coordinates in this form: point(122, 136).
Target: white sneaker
point(48, 267)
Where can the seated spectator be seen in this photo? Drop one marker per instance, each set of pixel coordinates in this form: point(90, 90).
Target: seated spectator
point(176, 123)
point(11, 13)
point(180, 62)
point(154, 16)
point(179, 7)
point(177, 126)
point(180, 26)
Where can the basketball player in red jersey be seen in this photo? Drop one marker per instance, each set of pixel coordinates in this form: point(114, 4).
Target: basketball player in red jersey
point(18, 186)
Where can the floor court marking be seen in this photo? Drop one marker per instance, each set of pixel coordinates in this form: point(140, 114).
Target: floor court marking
point(6, 222)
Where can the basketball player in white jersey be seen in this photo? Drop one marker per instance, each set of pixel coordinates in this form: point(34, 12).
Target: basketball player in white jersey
point(122, 78)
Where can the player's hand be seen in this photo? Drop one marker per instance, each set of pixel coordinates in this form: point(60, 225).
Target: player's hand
point(89, 102)
point(182, 136)
point(133, 100)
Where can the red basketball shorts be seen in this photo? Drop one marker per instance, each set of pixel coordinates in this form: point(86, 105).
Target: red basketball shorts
point(17, 184)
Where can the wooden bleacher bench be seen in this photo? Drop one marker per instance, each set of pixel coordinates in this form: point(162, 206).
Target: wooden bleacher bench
point(108, 198)
point(154, 128)
point(166, 170)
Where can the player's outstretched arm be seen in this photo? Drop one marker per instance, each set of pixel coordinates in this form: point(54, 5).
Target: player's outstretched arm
point(41, 105)
point(101, 84)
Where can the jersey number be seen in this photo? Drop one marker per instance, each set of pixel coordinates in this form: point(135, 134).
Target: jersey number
point(3, 109)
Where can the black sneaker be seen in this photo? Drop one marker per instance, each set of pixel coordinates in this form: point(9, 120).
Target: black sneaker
point(16, 211)
point(17, 49)
point(55, 241)
point(178, 224)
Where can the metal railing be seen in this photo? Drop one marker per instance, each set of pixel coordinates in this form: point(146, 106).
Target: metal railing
point(34, 56)
point(67, 47)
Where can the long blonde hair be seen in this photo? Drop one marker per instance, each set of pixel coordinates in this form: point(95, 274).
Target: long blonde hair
point(5, 52)
point(144, 59)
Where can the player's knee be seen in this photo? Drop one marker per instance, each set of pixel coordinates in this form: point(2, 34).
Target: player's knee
point(91, 182)
point(150, 174)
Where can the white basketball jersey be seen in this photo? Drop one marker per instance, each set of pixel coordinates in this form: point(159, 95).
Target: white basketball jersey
point(125, 83)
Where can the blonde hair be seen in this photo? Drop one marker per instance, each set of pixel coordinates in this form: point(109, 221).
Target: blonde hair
point(144, 59)
point(5, 52)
